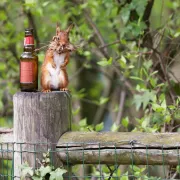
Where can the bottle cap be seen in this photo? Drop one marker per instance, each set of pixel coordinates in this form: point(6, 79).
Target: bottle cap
point(29, 32)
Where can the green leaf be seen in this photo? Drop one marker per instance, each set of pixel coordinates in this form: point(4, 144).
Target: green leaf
point(83, 122)
point(37, 178)
point(30, 2)
point(103, 100)
point(26, 170)
point(57, 174)
point(122, 62)
point(44, 155)
point(143, 99)
point(157, 107)
point(105, 62)
point(3, 17)
point(135, 168)
point(76, 111)
point(178, 168)
point(114, 127)
point(153, 82)
point(140, 6)
point(167, 119)
point(125, 122)
point(45, 170)
point(44, 4)
point(125, 14)
point(136, 78)
point(99, 127)
point(124, 176)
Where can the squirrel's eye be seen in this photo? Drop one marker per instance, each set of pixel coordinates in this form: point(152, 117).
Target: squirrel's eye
point(58, 38)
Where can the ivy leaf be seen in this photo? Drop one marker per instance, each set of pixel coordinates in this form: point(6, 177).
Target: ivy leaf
point(26, 170)
point(37, 178)
point(143, 99)
point(57, 174)
point(125, 176)
point(140, 6)
point(45, 170)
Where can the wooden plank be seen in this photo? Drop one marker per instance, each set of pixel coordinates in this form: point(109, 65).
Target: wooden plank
point(121, 148)
point(120, 139)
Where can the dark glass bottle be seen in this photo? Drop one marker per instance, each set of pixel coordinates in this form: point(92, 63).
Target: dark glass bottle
point(29, 64)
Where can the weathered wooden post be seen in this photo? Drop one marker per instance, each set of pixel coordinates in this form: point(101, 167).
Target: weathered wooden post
point(39, 121)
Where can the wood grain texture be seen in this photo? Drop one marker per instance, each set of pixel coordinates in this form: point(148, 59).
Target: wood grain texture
point(39, 121)
point(120, 148)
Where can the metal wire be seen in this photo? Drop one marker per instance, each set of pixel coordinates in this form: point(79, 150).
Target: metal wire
point(98, 171)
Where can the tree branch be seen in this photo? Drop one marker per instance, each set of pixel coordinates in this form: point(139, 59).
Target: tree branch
point(121, 106)
point(33, 25)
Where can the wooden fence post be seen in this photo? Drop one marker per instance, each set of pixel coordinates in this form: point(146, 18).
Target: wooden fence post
point(39, 121)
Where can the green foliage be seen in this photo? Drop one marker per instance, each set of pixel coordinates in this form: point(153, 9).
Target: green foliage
point(83, 126)
point(45, 172)
point(105, 62)
point(119, 51)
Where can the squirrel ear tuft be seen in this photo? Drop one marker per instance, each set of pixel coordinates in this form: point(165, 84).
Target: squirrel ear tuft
point(57, 28)
point(69, 28)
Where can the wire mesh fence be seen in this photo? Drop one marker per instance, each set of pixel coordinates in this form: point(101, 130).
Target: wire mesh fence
point(89, 162)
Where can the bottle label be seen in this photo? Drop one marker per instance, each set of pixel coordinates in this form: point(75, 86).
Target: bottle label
point(29, 40)
point(26, 72)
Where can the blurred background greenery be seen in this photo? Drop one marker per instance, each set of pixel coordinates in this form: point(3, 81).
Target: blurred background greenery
point(125, 75)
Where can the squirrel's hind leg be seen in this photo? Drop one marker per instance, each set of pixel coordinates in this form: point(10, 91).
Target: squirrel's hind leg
point(63, 80)
point(45, 81)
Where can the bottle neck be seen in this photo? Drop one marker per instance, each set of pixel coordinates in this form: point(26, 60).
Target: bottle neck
point(28, 40)
point(28, 43)
point(29, 48)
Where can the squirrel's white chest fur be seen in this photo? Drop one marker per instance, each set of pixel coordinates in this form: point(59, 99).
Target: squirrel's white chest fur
point(56, 72)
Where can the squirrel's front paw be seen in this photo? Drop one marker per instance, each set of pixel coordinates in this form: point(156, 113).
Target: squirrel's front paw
point(46, 90)
point(64, 89)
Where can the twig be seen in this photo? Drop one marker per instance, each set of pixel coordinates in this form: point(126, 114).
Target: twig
point(174, 176)
point(121, 106)
point(32, 23)
point(126, 82)
point(109, 44)
point(97, 32)
point(77, 72)
point(175, 127)
point(165, 74)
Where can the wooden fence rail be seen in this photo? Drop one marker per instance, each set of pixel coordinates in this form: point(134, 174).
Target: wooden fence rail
point(111, 148)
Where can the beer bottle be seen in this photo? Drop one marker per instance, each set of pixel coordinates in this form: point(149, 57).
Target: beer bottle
point(29, 64)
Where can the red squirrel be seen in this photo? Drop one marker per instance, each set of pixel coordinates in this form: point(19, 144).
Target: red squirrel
point(53, 71)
